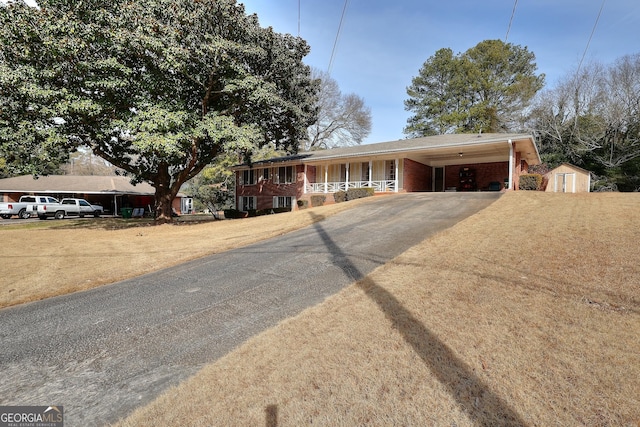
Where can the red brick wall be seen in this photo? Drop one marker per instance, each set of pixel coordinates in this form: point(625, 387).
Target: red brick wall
point(311, 174)
point(520, 167)
point(485, 173)
point(266, 190)
point(416, 177)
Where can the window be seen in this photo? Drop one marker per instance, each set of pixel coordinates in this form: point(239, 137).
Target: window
point(265, 174)
point(390, 167)
point(247, 203)
point(365, 171)
point(285, 175)
point(282, 201)
point(248, 177)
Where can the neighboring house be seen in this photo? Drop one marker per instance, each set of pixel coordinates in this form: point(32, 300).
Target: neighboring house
point(456, 162)
point(568, 178)
point(111, 192)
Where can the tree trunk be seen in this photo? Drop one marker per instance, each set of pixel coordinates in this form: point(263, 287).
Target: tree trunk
point(165, 193)
point(164, 201)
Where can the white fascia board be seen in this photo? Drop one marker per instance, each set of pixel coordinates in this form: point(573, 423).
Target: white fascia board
point(378, 153)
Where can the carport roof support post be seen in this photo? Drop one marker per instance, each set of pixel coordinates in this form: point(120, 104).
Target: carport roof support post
point(510, 186)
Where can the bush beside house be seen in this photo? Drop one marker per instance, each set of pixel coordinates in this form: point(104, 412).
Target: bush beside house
point(530, 181)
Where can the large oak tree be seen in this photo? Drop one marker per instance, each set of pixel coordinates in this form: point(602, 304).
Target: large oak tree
point(159, 88)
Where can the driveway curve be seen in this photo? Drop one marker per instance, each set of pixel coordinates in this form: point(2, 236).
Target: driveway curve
point(104, 352)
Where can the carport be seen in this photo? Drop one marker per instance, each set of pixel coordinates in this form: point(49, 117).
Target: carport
point(111, 192)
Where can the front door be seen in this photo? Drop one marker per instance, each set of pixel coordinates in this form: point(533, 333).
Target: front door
point(438, 179)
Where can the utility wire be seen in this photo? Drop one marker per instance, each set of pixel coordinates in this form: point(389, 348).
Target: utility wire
point(577, 75)
point(593, 30)
point(298, 18)
point(335, 43)
point(513, 12)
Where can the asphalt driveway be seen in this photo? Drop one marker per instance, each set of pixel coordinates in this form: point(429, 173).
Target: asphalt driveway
point(104, 352)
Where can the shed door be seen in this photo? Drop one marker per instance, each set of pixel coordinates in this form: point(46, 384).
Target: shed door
point(565, 183)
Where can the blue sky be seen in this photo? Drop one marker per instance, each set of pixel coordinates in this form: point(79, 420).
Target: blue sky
point(383, 44)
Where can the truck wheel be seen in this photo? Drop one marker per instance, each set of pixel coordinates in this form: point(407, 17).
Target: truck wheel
point(6, 216)
point(96, 214)
point(59, 215)
point(23, 214)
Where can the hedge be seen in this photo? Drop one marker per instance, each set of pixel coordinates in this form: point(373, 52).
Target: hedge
point(359, 193)
point(318, 200)
point(340, 196)
point(235, 214)
point(530, 181)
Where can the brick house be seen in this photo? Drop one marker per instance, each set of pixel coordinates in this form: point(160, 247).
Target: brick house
point(456, 162)
point(111, 192)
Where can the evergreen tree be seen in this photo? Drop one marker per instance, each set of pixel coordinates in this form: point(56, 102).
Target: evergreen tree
point(488, 88)
point(158, 88)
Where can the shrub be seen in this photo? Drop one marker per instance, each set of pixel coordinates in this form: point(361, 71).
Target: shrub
point(359, 193)
point(318, 200)
point(340, 196)
point(233, 214)
point(268, 211)
point(303, 204)
point(279, 210)
point(531, 181)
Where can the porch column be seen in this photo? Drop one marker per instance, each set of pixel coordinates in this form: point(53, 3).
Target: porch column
point(397, 180)
point(370, 173)
point(510, 186)
point(326, 178)
point(347, 176)
point(305, 179)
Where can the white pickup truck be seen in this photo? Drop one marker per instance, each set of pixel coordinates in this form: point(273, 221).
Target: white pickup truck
point(24, 207)
point(69, 207)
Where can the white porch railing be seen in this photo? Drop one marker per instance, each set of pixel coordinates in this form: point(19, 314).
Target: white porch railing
point(332, 187)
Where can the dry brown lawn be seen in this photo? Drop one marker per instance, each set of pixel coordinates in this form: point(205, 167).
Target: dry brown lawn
point(50, 258)
point(527, 313)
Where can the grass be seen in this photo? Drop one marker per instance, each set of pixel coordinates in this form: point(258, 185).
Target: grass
point(527, 313)
point(49, 258)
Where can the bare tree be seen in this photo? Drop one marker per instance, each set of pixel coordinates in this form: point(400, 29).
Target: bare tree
point(592, 118)
point(84, 162)
point(342, 119)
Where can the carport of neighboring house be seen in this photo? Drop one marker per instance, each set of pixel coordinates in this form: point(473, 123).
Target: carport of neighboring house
point(459, 162)
point(111, 192)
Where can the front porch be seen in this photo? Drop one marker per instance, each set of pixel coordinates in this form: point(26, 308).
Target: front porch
point(333, 187)
point(381, 175)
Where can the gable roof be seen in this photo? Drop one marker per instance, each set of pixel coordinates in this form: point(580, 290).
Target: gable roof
point(453, 144)
point(570, 166)
point(91, 184)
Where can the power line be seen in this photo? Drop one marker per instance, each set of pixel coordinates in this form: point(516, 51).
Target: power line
point(335, 43)
point(298, 18)
point(593, 30)
point(513, 12)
